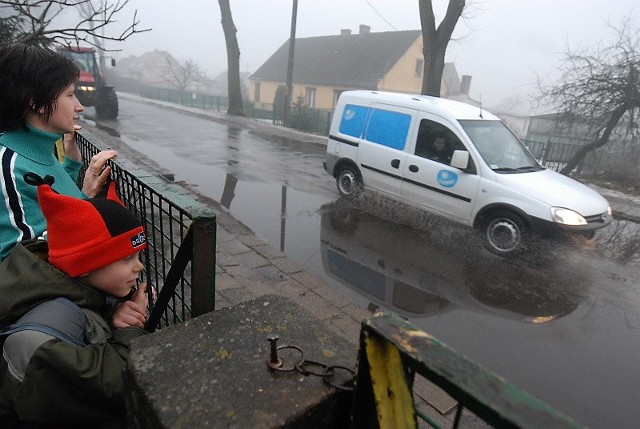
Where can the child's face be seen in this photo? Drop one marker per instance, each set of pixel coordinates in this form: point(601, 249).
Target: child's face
point(65, 113)
point(117, 278)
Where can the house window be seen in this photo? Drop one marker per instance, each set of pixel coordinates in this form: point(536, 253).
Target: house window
point(419, 67)
point(310, 99)
point(256, 92)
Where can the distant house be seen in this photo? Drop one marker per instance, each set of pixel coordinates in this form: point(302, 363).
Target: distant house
point(326, 66)
point(150, 69)
point(559, 128)
point(518, 124)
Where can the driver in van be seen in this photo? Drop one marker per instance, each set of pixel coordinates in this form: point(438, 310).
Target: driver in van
point(440, 150)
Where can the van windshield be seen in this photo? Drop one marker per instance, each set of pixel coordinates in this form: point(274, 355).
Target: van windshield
point(500, 149)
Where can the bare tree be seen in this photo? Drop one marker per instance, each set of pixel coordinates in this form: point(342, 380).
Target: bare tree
point(180, 75)
point(233, 60)
point(600, 87)
point(38, 21)
point(87, 10)
point(435, 41)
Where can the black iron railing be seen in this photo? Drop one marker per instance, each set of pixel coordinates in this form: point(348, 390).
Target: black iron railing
point(181, 236)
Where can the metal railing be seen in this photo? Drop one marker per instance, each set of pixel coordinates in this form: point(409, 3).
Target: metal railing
point(303, 118)
point(181, 240)
point(393, 353)
point(186, 98)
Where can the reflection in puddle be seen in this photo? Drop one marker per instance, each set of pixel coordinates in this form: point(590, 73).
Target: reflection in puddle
point(283, 216)
point(620, 241)
point(422, 274)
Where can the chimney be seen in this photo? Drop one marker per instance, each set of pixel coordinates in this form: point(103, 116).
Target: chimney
point(364, 29)
point(465, 84)
point(345, 32)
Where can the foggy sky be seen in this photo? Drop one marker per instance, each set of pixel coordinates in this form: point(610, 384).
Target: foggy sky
point(502, 44)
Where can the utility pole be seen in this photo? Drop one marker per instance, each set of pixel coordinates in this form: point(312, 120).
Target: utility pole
point(292, 38)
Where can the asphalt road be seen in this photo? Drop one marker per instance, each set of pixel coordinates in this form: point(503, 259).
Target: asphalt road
point(562, 323)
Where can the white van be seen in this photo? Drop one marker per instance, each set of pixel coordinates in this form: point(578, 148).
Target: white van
point(458, 161)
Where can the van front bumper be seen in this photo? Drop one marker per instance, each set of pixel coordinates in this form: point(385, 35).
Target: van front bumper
point(547, 227)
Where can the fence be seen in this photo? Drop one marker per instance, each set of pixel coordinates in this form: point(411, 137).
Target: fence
point(186, 98)
point(616, 162)
point(303, 118)
point(552, 155)
point(181, 241)
point(393, 352)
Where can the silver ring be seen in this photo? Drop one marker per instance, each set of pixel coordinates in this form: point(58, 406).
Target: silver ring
point(94, 174)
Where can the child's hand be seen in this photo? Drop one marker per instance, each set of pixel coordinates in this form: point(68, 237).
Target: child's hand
point(132, 312)
point(71, 149)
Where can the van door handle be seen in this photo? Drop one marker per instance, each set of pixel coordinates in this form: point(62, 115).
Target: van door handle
point(413, 168)
point(395, 163)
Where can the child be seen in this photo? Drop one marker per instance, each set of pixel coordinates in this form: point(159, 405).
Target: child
point(38, 106)
point(61, 362)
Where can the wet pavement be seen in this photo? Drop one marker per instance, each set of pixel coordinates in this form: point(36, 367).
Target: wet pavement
point(248, 266)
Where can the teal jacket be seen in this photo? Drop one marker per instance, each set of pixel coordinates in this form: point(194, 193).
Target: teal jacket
point(22, 152)
point(49, 380)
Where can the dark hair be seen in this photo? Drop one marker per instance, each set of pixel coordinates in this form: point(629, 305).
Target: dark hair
point(31, 79)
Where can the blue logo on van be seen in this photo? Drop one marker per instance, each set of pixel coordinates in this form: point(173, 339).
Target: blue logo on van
point(447, 178)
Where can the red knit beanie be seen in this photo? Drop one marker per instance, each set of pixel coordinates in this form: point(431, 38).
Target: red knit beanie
point(86, 235)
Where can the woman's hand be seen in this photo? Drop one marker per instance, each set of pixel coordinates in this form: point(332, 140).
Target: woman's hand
point(97, 172)
point(132, 312)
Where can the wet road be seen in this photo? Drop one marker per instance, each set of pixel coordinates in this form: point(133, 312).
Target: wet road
point(562, 323)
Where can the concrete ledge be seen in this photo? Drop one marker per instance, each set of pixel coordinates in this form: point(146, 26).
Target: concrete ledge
point(212, 372)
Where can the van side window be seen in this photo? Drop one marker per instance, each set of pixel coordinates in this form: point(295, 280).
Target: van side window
point(388, 128)
point(436, 142)
point(353, 120)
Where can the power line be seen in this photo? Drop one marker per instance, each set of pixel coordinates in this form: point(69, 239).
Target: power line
point(380, 15)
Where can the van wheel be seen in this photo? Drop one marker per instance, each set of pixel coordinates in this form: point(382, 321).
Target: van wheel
point(349, 181)
point(505, 233)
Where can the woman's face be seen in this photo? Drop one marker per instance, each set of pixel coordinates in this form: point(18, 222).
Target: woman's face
point(65, 112)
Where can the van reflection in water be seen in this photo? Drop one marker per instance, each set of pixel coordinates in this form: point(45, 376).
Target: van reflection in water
point(421, 273)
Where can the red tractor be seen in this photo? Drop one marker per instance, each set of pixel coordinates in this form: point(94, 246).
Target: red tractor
point(91, 87)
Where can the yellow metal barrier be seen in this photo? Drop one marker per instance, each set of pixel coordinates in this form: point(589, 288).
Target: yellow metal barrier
point(393, 352)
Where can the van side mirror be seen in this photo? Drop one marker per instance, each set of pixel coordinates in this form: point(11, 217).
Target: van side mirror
point(460, 159)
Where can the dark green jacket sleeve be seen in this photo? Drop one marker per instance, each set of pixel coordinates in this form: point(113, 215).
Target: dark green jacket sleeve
point(69, 383)
point(26, 280)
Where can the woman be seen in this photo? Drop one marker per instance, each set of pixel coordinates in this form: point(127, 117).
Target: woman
point(37, 106)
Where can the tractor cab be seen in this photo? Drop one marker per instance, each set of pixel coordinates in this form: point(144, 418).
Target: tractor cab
point(91, 86)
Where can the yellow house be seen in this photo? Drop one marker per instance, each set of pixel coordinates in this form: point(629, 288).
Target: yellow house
point(326, 66)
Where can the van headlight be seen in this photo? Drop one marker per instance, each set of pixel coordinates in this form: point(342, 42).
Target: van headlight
point(567, 217)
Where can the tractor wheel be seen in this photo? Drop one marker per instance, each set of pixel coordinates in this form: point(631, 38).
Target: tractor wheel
point(107, 104)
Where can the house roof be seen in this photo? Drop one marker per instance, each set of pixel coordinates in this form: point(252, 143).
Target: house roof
point(356, 61)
